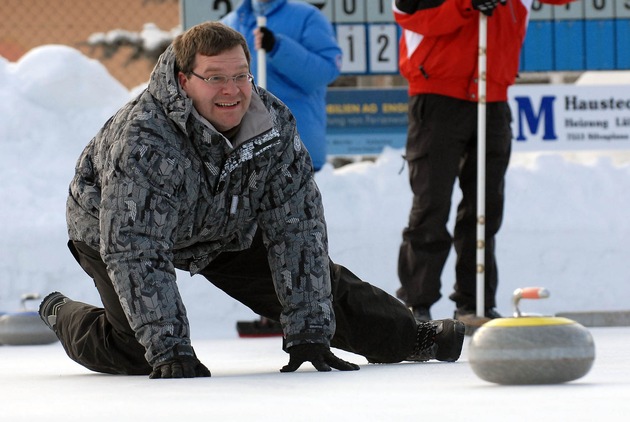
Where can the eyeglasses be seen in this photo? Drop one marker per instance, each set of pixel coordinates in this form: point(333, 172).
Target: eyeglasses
point(242, 79)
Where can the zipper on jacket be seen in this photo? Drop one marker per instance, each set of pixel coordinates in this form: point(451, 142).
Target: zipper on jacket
point(421, 68)
point(234, 204)
point(424, 72)
point(512, 10)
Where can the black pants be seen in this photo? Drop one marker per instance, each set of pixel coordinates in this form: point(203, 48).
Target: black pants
point(441, 148)
point(370, 322)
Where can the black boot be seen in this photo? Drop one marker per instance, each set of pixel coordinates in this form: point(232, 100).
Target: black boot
point(440, 339)
point(49, 308)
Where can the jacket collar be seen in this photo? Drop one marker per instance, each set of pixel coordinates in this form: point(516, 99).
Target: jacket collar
point(256, 121)
point(248, 7)
point(266, 8)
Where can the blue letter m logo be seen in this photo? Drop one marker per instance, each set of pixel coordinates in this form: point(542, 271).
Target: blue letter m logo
point(526, 112)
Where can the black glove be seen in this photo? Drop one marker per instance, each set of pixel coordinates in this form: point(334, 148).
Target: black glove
point(183, 365)
point(268, 39)
point(319, 355)
point(411, 6)
point(487, 6)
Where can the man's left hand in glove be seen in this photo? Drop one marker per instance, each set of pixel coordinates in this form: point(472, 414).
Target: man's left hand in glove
point(319, 355)
point(264, 38)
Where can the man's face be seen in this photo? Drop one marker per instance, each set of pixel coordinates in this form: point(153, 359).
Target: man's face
point(223, 105)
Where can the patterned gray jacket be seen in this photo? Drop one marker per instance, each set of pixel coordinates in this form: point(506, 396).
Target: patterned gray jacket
point(159, 188)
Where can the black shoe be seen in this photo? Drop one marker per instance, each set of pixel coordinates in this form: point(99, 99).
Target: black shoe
point(49, 308)
point(492, 313)
point(421, 313)
point(464, 313)
point(440, 339)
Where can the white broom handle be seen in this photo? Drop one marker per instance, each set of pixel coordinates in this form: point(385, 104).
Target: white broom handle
point(261, 21)
point(481, 165)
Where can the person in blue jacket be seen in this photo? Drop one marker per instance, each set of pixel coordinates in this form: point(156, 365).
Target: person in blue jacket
point(302, 58)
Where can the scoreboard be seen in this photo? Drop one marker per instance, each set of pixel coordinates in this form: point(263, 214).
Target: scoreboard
point(365, 29)
point(583, 35)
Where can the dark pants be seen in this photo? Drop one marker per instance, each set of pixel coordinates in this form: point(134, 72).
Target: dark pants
point(370, 322)
point(442, 148)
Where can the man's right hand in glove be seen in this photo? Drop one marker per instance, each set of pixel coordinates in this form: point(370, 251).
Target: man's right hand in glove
point(319, 355)
point(487, 6)
point(184, 364)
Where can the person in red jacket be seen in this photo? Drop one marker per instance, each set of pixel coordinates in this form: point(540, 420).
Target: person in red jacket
point(438, 57)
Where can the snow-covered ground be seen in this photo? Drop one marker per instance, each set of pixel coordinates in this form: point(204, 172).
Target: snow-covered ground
point(41, 383)
point(566, 228)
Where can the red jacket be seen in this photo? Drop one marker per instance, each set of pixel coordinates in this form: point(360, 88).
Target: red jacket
point(438, 47)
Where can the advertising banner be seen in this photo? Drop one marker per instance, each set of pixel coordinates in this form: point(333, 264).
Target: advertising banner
point(544, 118)
point(570, 117)
point(364, 121)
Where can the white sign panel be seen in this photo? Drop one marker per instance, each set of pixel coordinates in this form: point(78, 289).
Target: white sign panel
point(351, 40)
point(569, 117)
point(379, 11)
point(349, 11)
point(383, 48)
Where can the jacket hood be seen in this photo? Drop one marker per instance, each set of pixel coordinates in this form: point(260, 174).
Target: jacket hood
point(164, 87)
point(259, 8)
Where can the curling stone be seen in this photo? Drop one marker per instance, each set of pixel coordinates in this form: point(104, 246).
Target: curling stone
point(531, 349)
point(25, 327)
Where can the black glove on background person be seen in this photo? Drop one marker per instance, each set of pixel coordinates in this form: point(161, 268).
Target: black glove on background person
point(268, 39)
point(487, 6)
point(408, 6)
point(183, 365)
point(411, 6)
point(319, 355)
